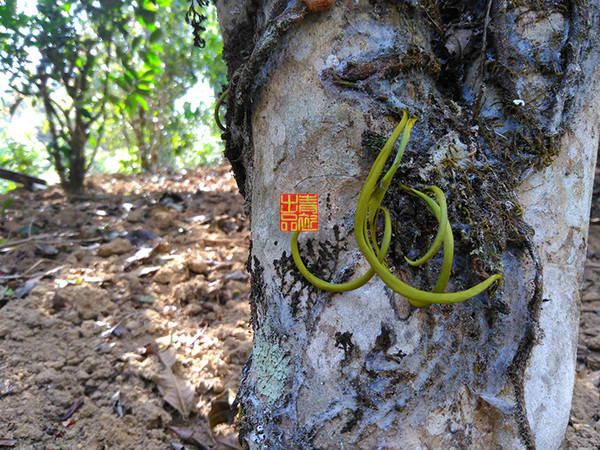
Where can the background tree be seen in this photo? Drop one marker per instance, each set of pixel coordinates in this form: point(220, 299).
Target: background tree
point(108, 76)
point(63, 56)
point(152, 123)
point(19, 153)
point(507, 99)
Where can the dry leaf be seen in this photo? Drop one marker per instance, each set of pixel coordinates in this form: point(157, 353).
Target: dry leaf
point(177, 392)
point(228, 443)
point(116, 403)
point(68, 422)
point(221, 410)
point(164, 341)
point(199, 438)
point(72, 409)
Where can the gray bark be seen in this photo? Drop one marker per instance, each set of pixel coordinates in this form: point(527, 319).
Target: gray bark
point(508, 99)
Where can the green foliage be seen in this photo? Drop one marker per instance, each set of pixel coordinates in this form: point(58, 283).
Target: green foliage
point(5, 291)
point(17, 156)
point(20, 153)
point(109, 75)
point(212, 58)
point(156, 122)
point(72, 46)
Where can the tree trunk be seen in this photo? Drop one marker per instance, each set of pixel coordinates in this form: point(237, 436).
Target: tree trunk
point(76, 170)
point(507, 97)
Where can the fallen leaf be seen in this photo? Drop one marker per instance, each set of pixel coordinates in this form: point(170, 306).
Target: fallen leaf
point(165, 341)
point(150, 349)
point(228, 443)
point(47, 250)
point(5, 291)
point(26, 288)
point(68, 422)
point(237, 275)
point(221, 410)
point(142, 254)
point(8, 442)
point(72, 409)
point(5, 388)
point(198, 438)
point(179, 446)
point(144, 271)
point(116, 403)
point(177, 392)
point(93, 279)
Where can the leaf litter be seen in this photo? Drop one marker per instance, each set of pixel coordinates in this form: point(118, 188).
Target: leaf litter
point(179, 393)
point(81, 350)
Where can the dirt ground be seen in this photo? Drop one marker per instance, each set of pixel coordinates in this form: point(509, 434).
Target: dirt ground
point(124, 312)
point(124, 316)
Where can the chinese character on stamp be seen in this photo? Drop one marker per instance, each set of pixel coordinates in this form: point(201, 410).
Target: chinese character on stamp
point(299, 212)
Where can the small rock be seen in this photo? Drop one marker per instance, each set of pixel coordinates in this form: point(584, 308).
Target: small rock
point(197, 266)
point(164, 276)
point(217, 386)
point(153, 415)
point(79, 254)
point(242, 287)
point(208, 306)
point(6, 326)
point(594, 378)
point(46, 377)
point(58, 302)
point(91, 302)
point(586, 400)
point(89, 329)
point(237, 275)
point(162, 219)
point(135, 327)
point(593, 343)
point(31, 318)
point(136, 215)
point(89, 409)
point(242, 335)
point(73, 316)
point(581, 436)
point(71, 260)
point(240, 256)
point(73, 358)
point(192, 309)
point(20, 334)
point(117, 246)
point(593, 361)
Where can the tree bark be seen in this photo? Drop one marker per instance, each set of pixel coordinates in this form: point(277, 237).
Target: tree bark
point(508, 99)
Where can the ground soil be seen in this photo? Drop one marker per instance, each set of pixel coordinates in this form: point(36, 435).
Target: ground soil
point(101, 290)
point(124, 316)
